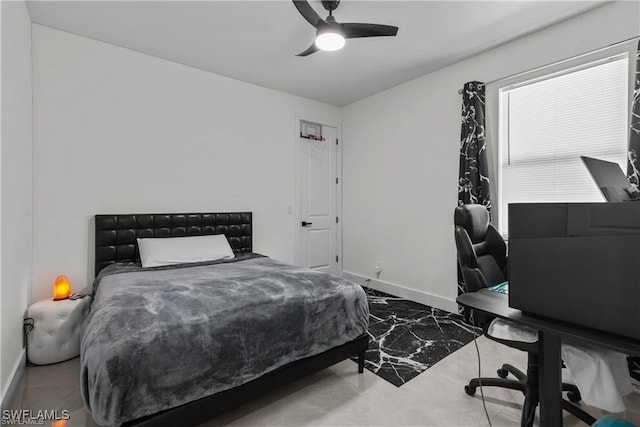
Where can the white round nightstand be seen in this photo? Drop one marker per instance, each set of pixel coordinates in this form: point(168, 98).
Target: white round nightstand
point(56, 329)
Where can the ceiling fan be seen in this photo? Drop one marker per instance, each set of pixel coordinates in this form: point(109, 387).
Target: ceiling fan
point(331, 35)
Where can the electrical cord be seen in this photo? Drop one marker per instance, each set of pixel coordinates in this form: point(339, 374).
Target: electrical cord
point(484, 404)
point(27, 327)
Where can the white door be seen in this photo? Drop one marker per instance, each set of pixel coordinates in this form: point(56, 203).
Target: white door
point(319, 244)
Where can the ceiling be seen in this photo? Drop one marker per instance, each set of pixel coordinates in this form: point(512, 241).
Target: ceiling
point(256, 41)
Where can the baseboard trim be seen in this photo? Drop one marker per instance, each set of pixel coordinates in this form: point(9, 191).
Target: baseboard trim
point(16, 375)
point(400, 291)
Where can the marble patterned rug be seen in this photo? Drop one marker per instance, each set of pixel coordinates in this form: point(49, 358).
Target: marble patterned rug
point(407, 338)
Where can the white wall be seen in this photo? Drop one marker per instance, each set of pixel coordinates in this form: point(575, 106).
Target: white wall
point(117, 131)
point(15, 188)
point(401, 153)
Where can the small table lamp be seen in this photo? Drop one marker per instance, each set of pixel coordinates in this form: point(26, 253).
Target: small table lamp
point(61, 288)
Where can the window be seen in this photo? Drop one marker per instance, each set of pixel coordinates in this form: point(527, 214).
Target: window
point(547, 124)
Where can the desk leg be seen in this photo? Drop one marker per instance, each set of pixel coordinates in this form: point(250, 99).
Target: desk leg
point(550, 381)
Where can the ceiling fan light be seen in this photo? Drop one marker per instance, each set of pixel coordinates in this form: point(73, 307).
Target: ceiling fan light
point(330, 40)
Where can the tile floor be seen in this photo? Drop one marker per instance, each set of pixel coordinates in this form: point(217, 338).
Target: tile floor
point(339, 396)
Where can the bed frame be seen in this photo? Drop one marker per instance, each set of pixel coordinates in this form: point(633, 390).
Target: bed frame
point(115, 241)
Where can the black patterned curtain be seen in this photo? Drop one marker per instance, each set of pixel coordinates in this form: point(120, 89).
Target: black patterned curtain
point(473, 178)
point(633, 166)
point(473, 181)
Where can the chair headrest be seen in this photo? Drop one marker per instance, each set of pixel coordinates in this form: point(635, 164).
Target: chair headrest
point(474, 219)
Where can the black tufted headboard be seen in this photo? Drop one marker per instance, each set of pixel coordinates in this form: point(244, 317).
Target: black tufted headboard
point(116, 234)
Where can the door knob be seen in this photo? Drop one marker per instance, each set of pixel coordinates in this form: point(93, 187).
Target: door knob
point(305, 223)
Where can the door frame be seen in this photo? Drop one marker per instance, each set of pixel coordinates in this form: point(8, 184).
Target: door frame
point(296, 185)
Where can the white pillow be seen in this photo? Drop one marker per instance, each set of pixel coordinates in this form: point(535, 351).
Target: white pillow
point(155, 252)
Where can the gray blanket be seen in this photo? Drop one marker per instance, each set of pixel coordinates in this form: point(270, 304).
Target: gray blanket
point(158, 338)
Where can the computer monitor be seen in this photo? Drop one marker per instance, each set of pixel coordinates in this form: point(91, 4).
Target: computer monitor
point(610, 179)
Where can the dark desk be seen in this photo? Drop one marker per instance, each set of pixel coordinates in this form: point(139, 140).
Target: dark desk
point(550, 334)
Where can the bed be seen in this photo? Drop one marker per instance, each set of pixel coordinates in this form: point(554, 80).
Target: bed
point(178, 345)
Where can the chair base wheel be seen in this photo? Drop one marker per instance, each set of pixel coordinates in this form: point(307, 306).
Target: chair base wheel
point(503, 373)
point(574, 397)
point(470, 390)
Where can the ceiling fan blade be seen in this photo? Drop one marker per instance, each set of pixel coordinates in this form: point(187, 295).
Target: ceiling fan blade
point(308, 13)
point(313, 48)
point(354, 30)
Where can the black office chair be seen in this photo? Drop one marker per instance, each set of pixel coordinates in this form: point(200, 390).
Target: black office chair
point(482, 260)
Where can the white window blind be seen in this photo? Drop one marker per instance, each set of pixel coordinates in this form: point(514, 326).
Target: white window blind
point(545, 127)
